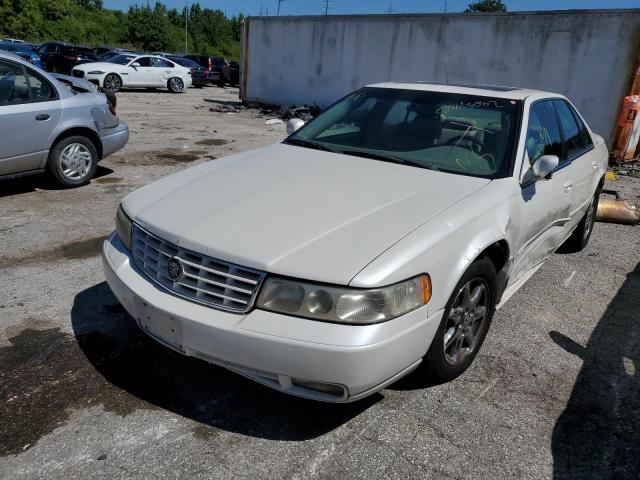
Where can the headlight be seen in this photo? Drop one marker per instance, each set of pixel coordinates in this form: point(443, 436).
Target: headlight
point(123, 227)
point(342, 304)
point(95, 72)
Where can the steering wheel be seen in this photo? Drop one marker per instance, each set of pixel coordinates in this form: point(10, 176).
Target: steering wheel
point(476, 144)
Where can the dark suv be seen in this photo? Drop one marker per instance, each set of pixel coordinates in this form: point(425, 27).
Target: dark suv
point(218, 67)
point(61, 57)
point(199, 76)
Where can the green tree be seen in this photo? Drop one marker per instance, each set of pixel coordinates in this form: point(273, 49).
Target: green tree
point(487, 6)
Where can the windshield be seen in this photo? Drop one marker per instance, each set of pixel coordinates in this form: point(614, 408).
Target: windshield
point(464, 134)
point(121, 59)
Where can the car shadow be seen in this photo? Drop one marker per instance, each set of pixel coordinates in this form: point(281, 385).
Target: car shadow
point(598, 434)
point(213, 396)
point(17, 186)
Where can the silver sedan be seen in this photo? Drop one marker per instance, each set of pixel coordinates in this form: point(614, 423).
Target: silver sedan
point(51, 127)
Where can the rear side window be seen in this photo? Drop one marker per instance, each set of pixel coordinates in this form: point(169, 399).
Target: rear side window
point(543, 133)
point(20, 85)
point(576, 137)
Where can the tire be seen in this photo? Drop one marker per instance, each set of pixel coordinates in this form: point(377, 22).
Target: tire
point(112, 82)
point(73, 161)
point(199, 86)
point(175, 85)
point(580, 236)
point(440, 364)
point(221, 83)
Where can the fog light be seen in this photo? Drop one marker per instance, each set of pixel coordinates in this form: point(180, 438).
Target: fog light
point(329, 388)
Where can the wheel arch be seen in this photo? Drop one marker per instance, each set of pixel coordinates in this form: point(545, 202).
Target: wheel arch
point(83, 131)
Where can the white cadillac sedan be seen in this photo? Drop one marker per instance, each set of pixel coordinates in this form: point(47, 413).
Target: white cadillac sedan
point(377, 238)
point(135, 71)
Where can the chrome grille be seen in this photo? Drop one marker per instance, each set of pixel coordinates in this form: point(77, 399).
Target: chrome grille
point(204, 280)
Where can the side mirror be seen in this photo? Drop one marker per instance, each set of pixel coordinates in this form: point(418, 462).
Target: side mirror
point(293, 125)
point(135, 64)
point(544, 166)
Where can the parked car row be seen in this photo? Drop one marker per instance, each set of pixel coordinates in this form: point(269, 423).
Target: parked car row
point(62, 125)
point(60, 57)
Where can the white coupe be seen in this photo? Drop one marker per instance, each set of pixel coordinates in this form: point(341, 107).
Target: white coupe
point(132, 71)
point(377, 238)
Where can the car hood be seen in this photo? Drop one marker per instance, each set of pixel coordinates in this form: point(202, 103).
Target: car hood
point(295, 211)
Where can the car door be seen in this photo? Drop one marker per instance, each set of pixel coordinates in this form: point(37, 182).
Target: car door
point(163, 70)
point(29, 112)
point(543, 212)
point(142, 75)
point(581, 155)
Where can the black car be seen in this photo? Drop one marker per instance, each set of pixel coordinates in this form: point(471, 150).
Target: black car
point(208, 63)
point(199, 76)
point(234, 73)
point(61, 57)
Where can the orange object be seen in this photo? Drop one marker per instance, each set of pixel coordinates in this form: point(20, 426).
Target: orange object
point(630, 108)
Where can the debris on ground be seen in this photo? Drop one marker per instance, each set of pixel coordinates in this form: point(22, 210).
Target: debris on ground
point(631, 169)
point(273, 121)
point(617, 210)
point(304, 112)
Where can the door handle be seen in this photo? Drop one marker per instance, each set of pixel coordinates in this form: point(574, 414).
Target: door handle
point(42, 116)
point(567, 187)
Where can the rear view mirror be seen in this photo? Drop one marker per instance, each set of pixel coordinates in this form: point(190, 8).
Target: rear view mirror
point(135, 64)
point(293, 125)
point(544, 166)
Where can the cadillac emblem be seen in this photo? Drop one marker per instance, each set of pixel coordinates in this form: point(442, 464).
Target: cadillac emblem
point(174, 268)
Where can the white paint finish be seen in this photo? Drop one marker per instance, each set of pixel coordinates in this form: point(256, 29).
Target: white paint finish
point(587, 56)
point(329, 217)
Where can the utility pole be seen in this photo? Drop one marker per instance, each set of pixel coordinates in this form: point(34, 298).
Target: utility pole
point(327, 4)
point(186, 26)
point(390, 9)
point(279, 2)
point(260, 10)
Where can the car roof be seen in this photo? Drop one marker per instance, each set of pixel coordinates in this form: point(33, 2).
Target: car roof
point(485, 90)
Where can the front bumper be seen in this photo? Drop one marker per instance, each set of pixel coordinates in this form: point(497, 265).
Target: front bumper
point(273, 349)
point(113, 139)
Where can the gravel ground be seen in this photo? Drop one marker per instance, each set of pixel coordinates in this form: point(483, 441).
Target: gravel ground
point(554, 391)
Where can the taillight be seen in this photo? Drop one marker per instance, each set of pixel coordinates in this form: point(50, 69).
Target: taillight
point(209, 63)
point(70, 57)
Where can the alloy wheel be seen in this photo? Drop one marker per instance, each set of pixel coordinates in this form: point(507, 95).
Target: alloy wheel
point(466, 321)
point(588, 219)
point(176, 85)
point(112, 83)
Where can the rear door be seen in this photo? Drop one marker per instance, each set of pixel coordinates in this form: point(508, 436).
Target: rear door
point(580, 153)
point(163, 70)
point(29, 112)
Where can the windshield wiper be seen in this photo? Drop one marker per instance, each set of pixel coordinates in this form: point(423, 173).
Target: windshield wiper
point(386, 158)
point(309, 144)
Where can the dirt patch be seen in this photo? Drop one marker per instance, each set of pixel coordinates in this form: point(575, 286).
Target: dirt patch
point(212, 141)
point(108, 180)
point(164, 157)
point(45, 375)
point(90, 247)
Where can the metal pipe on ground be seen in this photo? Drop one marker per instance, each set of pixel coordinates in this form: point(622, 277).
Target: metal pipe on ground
point(617, 210)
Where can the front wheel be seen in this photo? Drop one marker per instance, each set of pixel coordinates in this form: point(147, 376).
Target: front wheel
point(73, 161)
point(112, 82)
point(581, 235)
point(464, 325)
point(175, 85)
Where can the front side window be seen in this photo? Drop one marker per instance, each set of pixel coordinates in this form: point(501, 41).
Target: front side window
point(543, 134)
point(456, 133)
point(576, 136)
point(145, 61)
point(19, 85)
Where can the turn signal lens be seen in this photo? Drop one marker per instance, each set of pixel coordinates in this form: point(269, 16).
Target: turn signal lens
point(123, 227)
